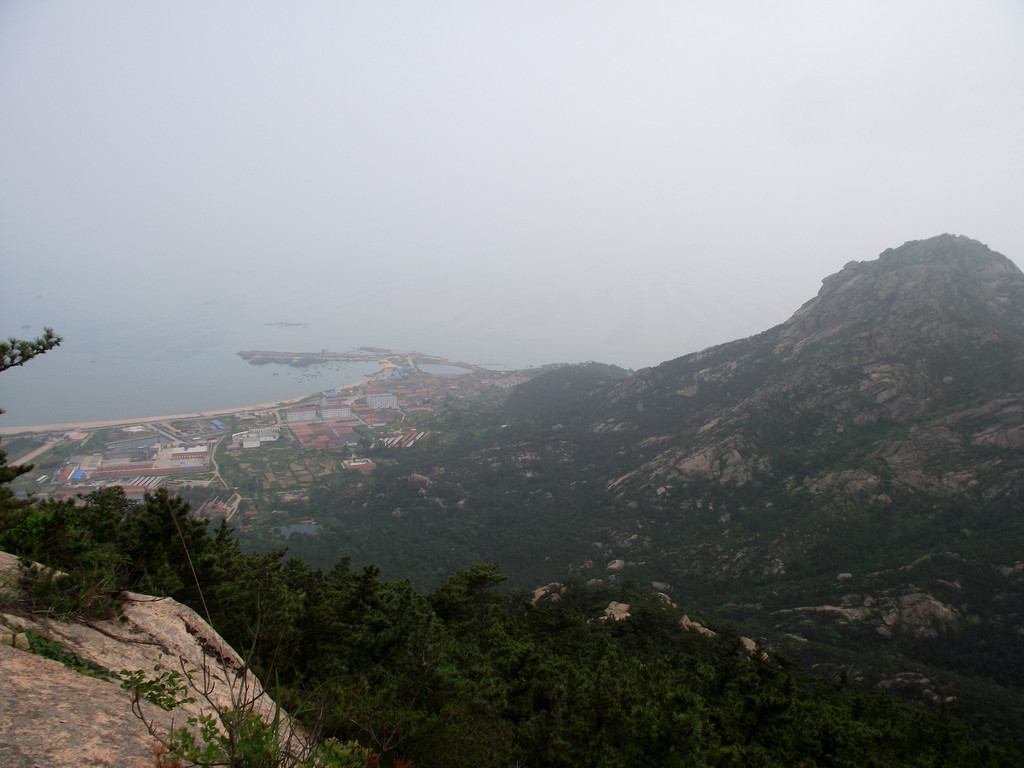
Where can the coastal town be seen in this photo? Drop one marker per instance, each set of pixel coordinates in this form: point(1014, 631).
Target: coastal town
point(320, 434)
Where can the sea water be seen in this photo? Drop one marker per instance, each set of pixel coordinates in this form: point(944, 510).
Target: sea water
point(149, 344)
point(72, 384)
point(176, 357)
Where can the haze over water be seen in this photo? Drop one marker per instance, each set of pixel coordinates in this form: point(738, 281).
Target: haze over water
point(137, 349)
point(510, 183)
point(159, 365)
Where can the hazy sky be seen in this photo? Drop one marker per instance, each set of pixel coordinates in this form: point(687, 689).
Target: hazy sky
point(620, 181)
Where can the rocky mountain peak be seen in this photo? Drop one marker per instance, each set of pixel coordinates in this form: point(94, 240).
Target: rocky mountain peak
point(928, 338)
point(925, 291)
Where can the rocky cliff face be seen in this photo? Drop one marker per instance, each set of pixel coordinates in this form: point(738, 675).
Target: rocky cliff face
point(854, 475)
point(924, 294)
point(855, 470)
point(915, 360)
point(52, 715)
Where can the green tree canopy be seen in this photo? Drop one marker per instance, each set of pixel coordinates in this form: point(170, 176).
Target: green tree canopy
point(15, 352)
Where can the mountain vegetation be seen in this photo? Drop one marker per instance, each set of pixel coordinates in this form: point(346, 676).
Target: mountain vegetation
point(13, 353)
point(845, 488)
point(465, 675)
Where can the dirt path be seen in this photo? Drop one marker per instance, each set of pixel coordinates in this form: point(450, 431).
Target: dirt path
point(31, 455)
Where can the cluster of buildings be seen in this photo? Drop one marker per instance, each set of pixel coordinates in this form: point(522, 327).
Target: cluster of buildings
point(425, 391)
point(138, 464)
point(325, 434)
point(330, 408)
point(254, 438)
point(406, 437)
point(214, 509)
point(334, 408)
point(332, 421)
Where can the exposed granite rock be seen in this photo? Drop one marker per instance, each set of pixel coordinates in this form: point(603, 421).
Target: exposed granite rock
point(915, 613)
point(550, 593)
point(616, 611)
point(51, 715)
point(883, 341)
point(421, 482)
point(690, 625)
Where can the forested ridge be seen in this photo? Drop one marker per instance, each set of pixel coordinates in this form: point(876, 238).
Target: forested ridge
point(846, 485)
point(468, 674)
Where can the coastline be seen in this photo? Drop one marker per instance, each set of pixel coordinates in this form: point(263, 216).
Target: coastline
point(79, 426)
point(83, 425)
point(383, 362)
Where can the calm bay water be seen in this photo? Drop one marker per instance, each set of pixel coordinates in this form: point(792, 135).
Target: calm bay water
point(66, 386)
point(154, 347)
point(134, 363)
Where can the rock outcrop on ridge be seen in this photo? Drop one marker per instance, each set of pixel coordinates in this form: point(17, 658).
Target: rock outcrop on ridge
point(54, 716)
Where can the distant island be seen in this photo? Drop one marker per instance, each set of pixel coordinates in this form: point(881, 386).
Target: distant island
point(387, 358)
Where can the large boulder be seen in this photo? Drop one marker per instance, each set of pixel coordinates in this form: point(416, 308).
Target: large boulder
point(53, 715)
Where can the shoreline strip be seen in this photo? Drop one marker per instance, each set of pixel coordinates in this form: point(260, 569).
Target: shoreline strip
point(82, 425)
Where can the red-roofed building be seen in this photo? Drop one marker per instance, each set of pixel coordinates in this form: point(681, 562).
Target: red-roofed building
point(304, 413)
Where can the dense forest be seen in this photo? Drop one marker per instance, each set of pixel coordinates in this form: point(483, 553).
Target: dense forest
point(468, 674)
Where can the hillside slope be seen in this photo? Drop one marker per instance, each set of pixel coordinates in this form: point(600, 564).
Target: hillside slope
point(925, 344)
point(903, 378)
point(850, 479)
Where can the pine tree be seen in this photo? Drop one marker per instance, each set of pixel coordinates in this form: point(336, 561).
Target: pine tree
point(15, 352)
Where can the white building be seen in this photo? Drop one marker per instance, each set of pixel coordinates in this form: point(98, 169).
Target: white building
point(194, 452)
point(375, 401)
point(305, 413)
point(253, 438)
point(334, 409)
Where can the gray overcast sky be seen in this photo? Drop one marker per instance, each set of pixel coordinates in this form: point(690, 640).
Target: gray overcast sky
point(618, 181)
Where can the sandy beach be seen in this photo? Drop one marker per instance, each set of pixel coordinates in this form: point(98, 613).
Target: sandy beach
point(84, 425)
